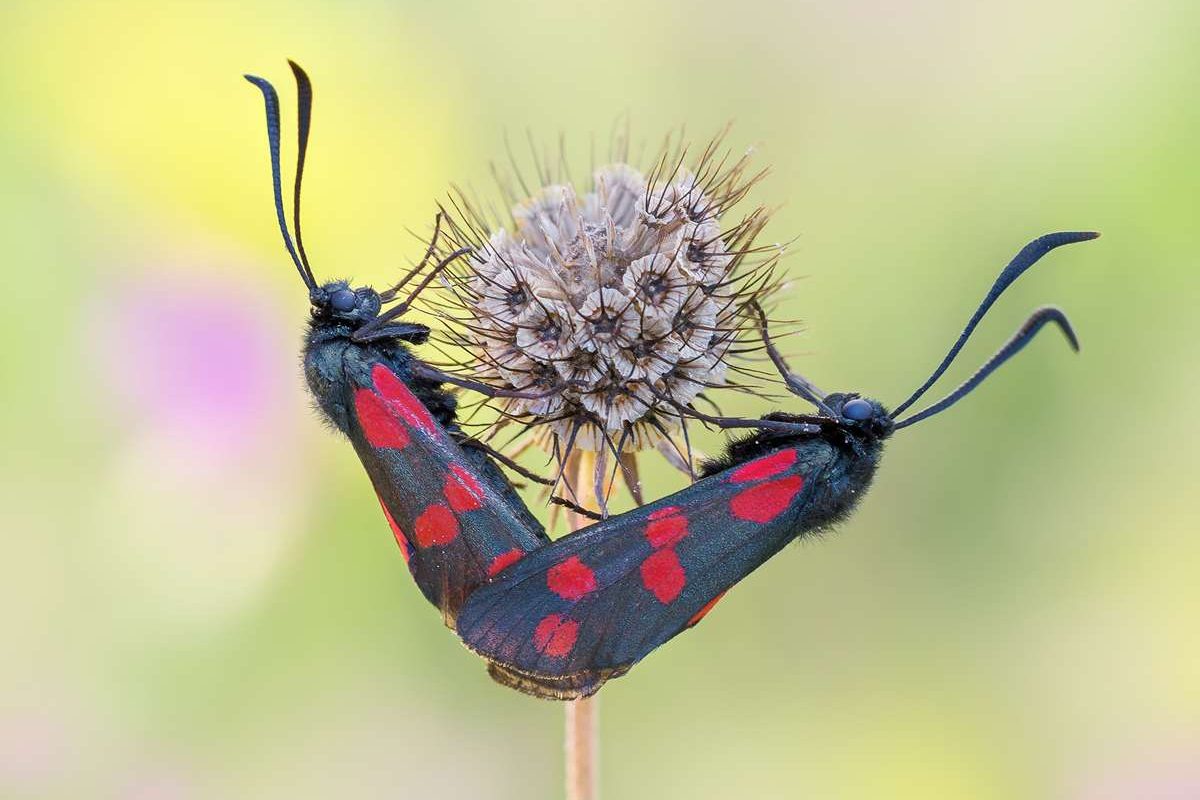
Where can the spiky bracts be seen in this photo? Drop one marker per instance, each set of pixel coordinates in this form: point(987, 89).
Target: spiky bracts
point(613, 308)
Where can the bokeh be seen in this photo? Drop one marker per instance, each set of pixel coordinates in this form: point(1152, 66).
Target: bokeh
point(200, 598)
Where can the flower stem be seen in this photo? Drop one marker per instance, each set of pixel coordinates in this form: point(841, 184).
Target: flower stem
point(582, 748)
point(580, 742)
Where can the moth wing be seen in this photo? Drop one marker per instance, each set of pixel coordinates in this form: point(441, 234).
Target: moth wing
point(587, 607)
point(454, 514)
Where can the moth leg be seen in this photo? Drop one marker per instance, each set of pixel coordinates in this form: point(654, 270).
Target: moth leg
point(475, 444)
point(726, 423)
point(433, 240)
point(796, 383)
point(800, 425)
point(578, 509)
point(433, 374)
point(529, 475)
point(408, 331)
point(387, 316)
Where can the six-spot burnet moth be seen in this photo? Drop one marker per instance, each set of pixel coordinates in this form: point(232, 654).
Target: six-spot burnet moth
point(587, 607)
point(557, 619)
point(454, 514)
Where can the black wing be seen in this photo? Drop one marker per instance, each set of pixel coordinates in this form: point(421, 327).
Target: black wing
point(586, 608)
point(453, 513)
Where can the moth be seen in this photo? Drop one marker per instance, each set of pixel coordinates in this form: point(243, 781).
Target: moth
point(455, 515)
point(556, 619)
point(586, 608)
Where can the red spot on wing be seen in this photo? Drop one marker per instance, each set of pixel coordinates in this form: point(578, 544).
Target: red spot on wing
point(572, 579)
point(436, 526)
point(664, 512)
point(663, 575)
point(555, 635)
point(401, 398)
point(503, 560)
point(764, 467)
point(766, 501)
point(378, 423)
point(666, 531)
point(401, 539)
point(462, 491)
point(703, 612)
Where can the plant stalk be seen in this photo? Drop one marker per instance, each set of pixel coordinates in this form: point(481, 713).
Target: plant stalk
point(582, 748)
point(580, 742)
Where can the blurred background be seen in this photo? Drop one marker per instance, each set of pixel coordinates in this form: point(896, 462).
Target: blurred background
point(200, 598)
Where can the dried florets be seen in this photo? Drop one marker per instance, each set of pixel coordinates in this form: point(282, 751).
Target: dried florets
point(613, 307)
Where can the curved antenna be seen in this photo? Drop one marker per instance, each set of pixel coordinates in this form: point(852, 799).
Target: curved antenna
point(1029, 255)
point(1022, 337)
point(304, 96)
point(271, 101)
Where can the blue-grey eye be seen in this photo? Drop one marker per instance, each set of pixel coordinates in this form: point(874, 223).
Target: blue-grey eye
point(343, 300)
point(858, 410)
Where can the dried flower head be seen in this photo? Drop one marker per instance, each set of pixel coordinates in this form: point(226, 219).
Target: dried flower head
point(613, 307)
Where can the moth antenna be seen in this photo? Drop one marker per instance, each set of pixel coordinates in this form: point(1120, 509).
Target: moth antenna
point(1022, 337)
point(797, 384)
point(1029, 255)
point(271, 102)
point(304, 96)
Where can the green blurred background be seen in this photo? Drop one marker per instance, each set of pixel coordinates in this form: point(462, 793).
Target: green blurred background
point(200, 598)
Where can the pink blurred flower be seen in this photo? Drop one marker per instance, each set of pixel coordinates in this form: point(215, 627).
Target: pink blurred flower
point(194, 356)
point(1169, 773)
point(204, 488)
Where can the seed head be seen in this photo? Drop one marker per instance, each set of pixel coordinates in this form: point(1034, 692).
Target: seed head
point(612, 307)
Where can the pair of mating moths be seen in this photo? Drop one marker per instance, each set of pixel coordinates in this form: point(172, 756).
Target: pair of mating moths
point(558, 618)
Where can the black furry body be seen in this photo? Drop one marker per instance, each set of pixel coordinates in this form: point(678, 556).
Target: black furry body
point(331, 358)
point(847, 478)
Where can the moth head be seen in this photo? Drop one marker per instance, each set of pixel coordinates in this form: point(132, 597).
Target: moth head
point(358, 308)
point(860, 414)
point(337, 301)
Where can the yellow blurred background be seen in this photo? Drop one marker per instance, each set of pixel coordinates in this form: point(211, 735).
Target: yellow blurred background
point(200, 598)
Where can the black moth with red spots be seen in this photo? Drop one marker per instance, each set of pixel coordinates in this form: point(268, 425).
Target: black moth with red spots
point(586, 608)
point(454, 514)
point(575, 613)
point(557, 619)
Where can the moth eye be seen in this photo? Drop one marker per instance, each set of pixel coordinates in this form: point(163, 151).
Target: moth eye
point(857, 410)
point(343, 300)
